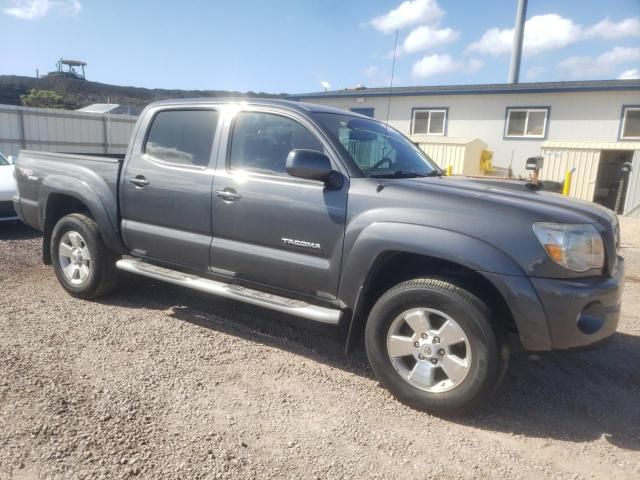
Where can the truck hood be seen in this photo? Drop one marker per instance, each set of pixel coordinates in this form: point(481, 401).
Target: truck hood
point(500, 213)
point(520, 196)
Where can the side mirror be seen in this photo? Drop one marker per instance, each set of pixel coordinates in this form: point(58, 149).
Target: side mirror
point(10, 159)
point(312, 165)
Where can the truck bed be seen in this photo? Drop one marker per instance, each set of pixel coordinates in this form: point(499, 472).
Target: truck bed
point(40, 174)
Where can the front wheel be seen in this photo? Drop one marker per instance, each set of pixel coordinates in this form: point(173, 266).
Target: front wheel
point(434, 346)
point(83, 264)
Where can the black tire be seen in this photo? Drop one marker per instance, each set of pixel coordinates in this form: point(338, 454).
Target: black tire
point(488, 358)
point(102, 276)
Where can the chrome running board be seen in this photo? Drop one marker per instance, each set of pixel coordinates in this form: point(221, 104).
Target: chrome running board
point(235, 292)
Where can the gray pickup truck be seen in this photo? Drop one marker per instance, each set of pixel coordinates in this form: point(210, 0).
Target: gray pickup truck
point(334, 217)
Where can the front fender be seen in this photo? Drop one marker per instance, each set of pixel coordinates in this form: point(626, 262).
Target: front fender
point(473, 253)
point(98, 199)
point(455, 247)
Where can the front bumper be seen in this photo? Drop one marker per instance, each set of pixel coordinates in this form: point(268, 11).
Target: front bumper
point(581, 312)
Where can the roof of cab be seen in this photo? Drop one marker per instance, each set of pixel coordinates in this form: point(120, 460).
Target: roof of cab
point(272, 102)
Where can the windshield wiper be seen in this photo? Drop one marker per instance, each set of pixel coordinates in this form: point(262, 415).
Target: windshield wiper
point(400, 174)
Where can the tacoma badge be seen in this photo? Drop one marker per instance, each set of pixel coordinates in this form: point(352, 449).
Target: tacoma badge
point(301, 243)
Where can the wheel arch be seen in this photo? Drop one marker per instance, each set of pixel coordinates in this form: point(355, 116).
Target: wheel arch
point(60, 196)
point(387, 254)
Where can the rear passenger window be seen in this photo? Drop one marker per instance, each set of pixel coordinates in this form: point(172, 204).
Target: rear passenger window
point(183, 137)
point(261, 142)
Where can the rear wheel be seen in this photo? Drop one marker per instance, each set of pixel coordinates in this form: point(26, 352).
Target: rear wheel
point(83, 264)
point(434, 346)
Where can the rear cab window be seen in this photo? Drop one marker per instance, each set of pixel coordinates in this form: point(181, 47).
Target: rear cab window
point(182, 137)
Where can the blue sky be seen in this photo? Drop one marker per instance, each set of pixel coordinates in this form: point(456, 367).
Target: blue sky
point(294, 46)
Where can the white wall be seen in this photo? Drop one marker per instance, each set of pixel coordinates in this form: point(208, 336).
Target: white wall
point(574, 116)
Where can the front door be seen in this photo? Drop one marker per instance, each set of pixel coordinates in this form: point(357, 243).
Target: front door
point(166, 193)
point(269, 227)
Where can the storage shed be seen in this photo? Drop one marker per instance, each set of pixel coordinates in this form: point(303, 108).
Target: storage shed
point(462, 154)
point(596, 170)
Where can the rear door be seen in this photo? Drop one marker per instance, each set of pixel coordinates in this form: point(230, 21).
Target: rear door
point(271, 228)
point(166, 191)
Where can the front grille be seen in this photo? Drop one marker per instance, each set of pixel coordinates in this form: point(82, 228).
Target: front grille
point(6, 209)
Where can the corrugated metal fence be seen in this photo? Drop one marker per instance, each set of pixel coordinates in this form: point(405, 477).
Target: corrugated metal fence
point(69, 131)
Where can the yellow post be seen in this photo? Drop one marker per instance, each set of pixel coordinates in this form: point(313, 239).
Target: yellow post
point(566, 186)
point(449, 170)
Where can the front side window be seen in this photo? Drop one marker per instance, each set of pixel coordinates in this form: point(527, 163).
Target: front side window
point(429, 121)
point(3, 161)
point(182, 137)
point(526, 122)
point(261, 142)
point(630, 123)
point(377, 149)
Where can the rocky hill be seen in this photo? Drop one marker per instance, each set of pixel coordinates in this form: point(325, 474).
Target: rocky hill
point(80, 93)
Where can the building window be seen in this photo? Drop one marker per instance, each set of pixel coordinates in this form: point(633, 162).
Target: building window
point(526, 122)
point(630, 128)
point(429, 121)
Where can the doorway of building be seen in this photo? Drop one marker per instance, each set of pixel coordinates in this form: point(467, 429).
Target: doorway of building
point(608, 180)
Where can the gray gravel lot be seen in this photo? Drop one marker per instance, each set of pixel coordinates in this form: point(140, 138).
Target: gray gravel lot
point(159, 382)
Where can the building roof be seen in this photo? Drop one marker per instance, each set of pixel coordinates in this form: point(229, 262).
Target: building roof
point(73, 63)
point(582, 145)
point(491, 88)
point(99, 107)
point(436, 139)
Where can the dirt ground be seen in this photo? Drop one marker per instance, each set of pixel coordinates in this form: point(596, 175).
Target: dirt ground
point(158, 382)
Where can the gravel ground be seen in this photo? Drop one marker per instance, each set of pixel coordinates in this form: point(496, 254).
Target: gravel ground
point(158, 382)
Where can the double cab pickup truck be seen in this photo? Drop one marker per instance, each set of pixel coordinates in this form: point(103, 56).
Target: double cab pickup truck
point(334, 217)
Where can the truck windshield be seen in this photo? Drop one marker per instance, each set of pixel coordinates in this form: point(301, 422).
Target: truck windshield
point(378, 150)
point(3, 161)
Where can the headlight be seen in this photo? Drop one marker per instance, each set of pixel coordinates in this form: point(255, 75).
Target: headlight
point(576, 247)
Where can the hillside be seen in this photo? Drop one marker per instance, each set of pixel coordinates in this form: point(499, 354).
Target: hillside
point(80, 93)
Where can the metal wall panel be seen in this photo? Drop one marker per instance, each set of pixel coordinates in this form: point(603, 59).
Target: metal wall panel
point(63, 130)
point(463, 155)
point(632, 202)
point(558, 160)
point(445, 155)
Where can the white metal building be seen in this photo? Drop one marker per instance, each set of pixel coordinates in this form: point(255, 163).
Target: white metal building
point(560, 120)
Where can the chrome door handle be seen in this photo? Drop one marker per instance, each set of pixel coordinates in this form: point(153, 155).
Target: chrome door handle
point(139, 181)
point(228, 195)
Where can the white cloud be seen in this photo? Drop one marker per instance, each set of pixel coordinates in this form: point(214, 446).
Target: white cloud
point(426, 37)
point(606, 29)
point(440, 64)
point(474, 65)
point(541, 32)
point(632, 73)
point(408, 13)
point(35, 9)
point(550, 32)
point(326, 85)
point(604, 64)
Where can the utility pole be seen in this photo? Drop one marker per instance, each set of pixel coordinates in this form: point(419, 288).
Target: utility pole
point(518, 37)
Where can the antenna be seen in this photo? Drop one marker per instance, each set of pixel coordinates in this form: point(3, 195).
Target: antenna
point(393, 71)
